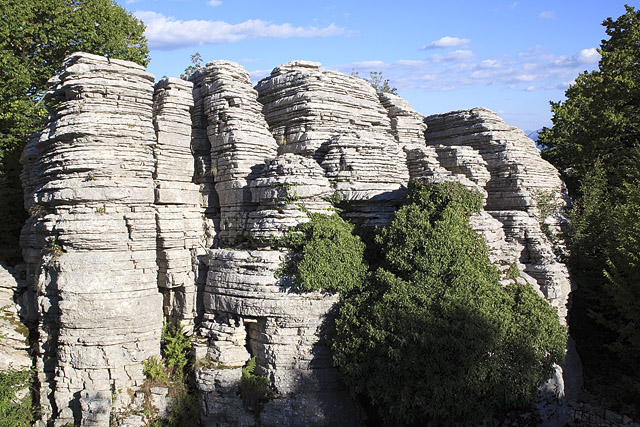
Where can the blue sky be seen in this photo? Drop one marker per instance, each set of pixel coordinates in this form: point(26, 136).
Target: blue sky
point(512, 57)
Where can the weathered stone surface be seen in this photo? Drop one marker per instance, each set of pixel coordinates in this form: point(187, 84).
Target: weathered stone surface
point(291, 186)
point(14, 335)
point(517, 171)
point(250, 312)
point(90, 244)
point(135, 190)
point(339, 121)
point(239, 138)
point(179, 216)
point(407, 125)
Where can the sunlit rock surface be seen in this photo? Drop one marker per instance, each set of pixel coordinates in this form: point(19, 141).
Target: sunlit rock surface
point(152, 201)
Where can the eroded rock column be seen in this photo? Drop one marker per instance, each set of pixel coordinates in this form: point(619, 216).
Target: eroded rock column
point(178, 200)
point(90, 243)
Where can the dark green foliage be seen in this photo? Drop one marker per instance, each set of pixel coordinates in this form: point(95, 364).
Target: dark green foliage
point(254, 389)
point(176, 348)
point(595, 139)
point(35, 37)
point(327, 255)
point(433, 336)
point(13, 412)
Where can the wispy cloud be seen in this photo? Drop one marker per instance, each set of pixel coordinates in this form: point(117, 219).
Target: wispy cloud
point(534, 69)
point(547, 14)
point(214, 3)
point(167, 33)
point(446, 42)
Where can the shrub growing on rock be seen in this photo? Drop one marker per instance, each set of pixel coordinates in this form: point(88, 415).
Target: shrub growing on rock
point(327, 255)
point(432, 335)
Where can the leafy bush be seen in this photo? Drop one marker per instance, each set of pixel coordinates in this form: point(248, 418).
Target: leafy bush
point(155, 370)
point(170, 372)
point(254, 389)
point(434, 321)
point(15, 412)
point(176, 348)
point(327, 255)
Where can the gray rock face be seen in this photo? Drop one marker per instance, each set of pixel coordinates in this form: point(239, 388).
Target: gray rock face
point(148, 201)
point(179, 217)
point(338, 121)
point(240, 141)
point(90, 244)
point(14, 335)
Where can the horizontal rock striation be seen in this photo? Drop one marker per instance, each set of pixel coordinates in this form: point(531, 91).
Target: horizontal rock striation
point(338, 121)
point(178, 200)
point(250, 310)
point(90, 243)
point(290, 188)
point(240, 141)
point(171, 199)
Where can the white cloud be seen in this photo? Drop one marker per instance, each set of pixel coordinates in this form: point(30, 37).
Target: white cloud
point(446, 42)
point(547, 14)
point(214, 3)
point(257, 75)
point(588, 56)
point(167, 33)
point(534, 69)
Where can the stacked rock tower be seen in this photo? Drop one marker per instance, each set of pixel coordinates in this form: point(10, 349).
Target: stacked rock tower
point(155, 202)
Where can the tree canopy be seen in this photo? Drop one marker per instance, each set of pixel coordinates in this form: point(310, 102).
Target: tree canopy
point(35, 37)
point(600, 118)
point(435, 324)
point(595, 142)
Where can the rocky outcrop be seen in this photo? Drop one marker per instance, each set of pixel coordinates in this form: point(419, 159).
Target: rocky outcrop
point(149, 201)
point(90, 243)
point(240, 142)
point(14, 335)
point(178, 200)
point(519, 185)
point(338, 121)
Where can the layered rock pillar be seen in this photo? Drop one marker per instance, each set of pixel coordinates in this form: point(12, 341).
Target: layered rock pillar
point(90, 243)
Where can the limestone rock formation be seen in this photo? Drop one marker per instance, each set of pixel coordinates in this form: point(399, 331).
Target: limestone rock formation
point(239, 139)
point(338, 121)
point(165, 201)
point(14, 335)
point(90, 243)
point(520, 181)
point(178, 200)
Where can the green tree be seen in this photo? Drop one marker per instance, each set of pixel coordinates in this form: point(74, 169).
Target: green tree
point(196, 64)
point(379, 83)
point(435, 323)
point(35, 37)
point(595, 141)
point(600, 118)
